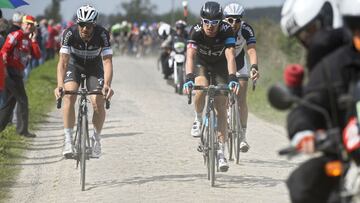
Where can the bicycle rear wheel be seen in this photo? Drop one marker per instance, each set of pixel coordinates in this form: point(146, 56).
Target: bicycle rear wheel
point(212, 147)
point(83, 153)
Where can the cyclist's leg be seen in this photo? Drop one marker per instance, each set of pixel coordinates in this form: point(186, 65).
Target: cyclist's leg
point(243, 75)
point(95, 81)
point(202, 80)
point(220, 75)
point(199, 101)
point(72, 81)
point(97, 102)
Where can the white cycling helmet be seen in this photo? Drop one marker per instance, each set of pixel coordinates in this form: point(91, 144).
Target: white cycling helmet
point(350, 9)
point(86, 14)
point(297, 14)
point(234, 9)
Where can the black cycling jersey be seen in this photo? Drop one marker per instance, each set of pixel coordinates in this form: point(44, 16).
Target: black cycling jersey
point(245, 35)
point(86, 54)
point(329, 80)
point(211, 49)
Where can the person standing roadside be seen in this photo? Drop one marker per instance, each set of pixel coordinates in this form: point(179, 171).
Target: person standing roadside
point(18, 48)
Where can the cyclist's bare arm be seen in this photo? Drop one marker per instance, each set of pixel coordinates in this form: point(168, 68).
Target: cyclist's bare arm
point(108, 74)
point(251, 50)
point(230, 57)
point(190, 56)
point(61, 71)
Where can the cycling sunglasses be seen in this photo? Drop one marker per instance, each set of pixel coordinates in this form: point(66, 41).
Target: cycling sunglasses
point(85, 24)
point(210, 22)
point(232, 20)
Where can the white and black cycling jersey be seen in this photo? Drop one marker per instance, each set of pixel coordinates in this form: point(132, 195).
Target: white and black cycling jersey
point(245, 36)
point(89, 53)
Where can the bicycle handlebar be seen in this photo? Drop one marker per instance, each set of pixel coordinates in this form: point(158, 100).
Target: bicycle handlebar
point(59, 100)
point(324, 142)
point(217, 88)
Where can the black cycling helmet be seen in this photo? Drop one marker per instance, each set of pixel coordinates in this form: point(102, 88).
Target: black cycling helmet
point(211, 10)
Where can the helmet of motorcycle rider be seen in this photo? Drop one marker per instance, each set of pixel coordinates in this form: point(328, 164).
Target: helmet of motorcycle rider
point(211, 10)
point(234, 9)
point(180, 24)
point(298, 15)
point(86, 14)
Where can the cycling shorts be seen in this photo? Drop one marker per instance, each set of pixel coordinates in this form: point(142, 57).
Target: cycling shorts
point(216, 73)
point(94, 75)
point(242, 67)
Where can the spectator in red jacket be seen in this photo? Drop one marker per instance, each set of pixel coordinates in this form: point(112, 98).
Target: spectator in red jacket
point(19, 46)
point(51, 41)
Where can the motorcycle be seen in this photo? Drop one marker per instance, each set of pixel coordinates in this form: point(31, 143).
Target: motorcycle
point(177, 61)
point(347, 167)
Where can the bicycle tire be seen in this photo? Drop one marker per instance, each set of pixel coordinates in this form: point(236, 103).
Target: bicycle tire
point(205, 144)
point(212, 147)
point(238, 133)
point(231, 132)
point(83, 153)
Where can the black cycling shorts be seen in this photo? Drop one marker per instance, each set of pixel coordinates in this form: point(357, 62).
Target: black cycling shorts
point(94, 75)
point(216, 73)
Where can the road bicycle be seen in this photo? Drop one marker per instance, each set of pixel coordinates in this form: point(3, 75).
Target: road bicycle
point(209, 135)
point(82, 145)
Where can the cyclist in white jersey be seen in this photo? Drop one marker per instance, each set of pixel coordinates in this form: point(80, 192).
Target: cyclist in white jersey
point(245, 35)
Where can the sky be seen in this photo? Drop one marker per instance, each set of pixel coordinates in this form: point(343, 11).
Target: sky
point(68, 7)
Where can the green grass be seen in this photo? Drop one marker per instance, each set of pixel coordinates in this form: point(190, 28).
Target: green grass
point(39, 89)
point(274, 51)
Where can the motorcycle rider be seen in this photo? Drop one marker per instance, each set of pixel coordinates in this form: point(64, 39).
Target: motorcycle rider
point(316, 25)
point(331, 78)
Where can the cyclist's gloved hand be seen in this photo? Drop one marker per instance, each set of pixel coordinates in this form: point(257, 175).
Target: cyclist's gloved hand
point(304, 141)
point(254, 72)
point(189, 84)
point(234, 84)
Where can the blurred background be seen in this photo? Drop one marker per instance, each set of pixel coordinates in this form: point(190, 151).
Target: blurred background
point(274, 49)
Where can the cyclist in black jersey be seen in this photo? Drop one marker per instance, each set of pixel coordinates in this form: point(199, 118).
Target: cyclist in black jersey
point(245, 35)
point(85, 50)
point(211, 49)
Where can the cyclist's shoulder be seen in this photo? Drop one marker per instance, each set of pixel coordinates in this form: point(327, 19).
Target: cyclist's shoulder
point(246, 29)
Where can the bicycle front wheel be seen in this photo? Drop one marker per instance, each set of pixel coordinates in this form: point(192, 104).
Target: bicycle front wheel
point(212, 147)
point(83, 153)
point(237, 132)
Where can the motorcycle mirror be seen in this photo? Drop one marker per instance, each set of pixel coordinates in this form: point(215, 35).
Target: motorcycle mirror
point(280, 97)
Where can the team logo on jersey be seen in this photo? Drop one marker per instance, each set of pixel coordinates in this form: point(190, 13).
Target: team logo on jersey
point(68, 73)
point(197, 28)
point(224, 27)
point(105, 39)
point(66, 38)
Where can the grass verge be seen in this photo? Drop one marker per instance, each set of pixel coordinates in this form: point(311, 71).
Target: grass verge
point(39, 90)
point(274, 51)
